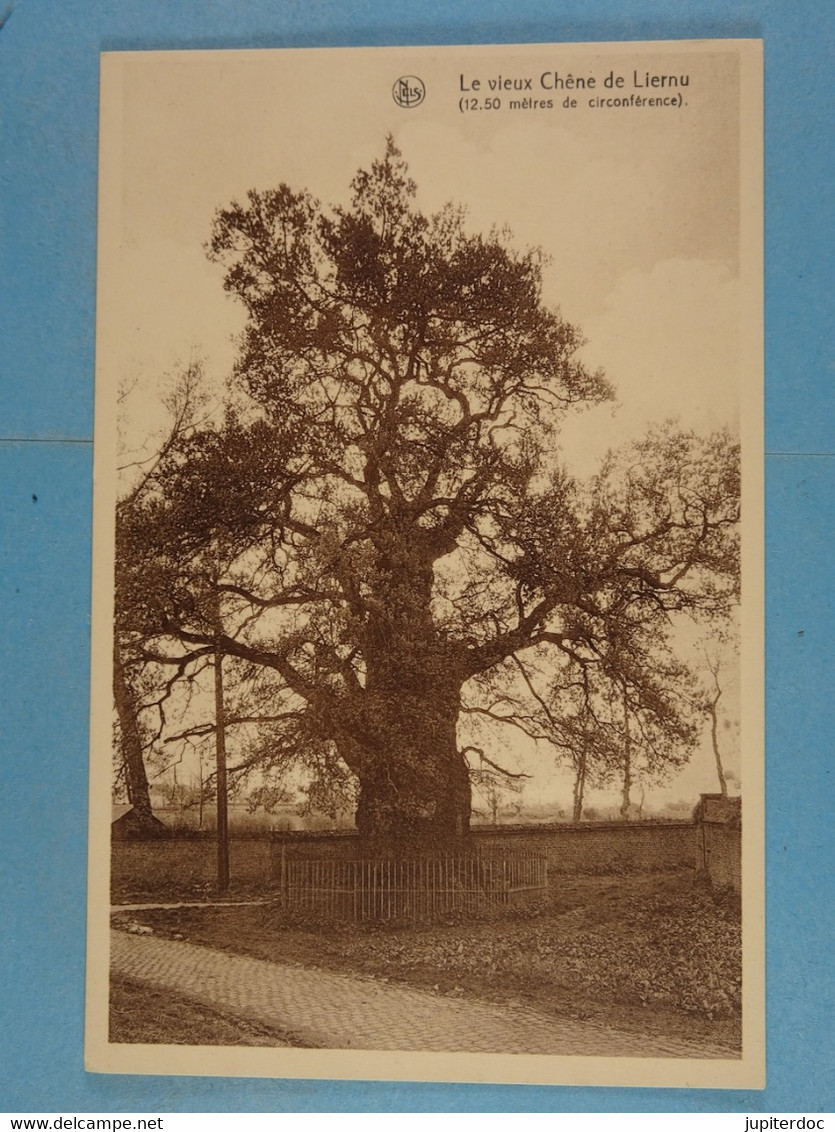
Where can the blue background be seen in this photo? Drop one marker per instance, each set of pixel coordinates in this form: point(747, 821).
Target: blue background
point(48, 121)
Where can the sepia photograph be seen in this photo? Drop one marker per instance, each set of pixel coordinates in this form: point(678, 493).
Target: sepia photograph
point(426, 734)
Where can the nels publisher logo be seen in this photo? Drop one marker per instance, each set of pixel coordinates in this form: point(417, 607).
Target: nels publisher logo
point(408, 91)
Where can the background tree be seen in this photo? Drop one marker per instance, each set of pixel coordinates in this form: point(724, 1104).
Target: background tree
point(719, 663)
point(610, 722)
point(135, 691)
point(383, 502)
point(131, 744)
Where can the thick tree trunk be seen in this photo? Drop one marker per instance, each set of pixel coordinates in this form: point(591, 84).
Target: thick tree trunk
point(414, 782)
point(136, 778)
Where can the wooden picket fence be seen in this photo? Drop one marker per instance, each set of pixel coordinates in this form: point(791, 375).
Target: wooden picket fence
point(420, 888)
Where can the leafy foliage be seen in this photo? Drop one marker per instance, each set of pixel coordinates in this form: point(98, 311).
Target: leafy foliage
point(381, 524)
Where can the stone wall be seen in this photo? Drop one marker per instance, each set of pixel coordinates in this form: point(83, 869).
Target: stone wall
point(719, 844)
point(602, 847)
point(593, 847)
point(720, 854)
point(187, 863)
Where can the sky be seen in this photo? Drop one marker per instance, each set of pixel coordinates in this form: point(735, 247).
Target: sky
point(637, 209)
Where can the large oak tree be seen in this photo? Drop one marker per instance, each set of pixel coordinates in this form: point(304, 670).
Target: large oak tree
point(381, 519)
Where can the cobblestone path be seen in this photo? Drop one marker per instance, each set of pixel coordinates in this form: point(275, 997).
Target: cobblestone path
point(334, 1011)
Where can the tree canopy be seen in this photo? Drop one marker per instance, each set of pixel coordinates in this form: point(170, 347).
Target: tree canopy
point(380, 525)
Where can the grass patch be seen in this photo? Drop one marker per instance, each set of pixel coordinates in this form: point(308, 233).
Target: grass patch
point(651, 953)
point(143, 1014)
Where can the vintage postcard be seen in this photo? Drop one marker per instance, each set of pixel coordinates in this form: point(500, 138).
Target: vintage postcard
point(427, 626)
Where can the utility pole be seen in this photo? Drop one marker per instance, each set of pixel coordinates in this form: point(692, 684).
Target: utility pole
point(220, 756)
point(627, 760)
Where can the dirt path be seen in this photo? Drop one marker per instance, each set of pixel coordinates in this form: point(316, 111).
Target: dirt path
point(335, 1011)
